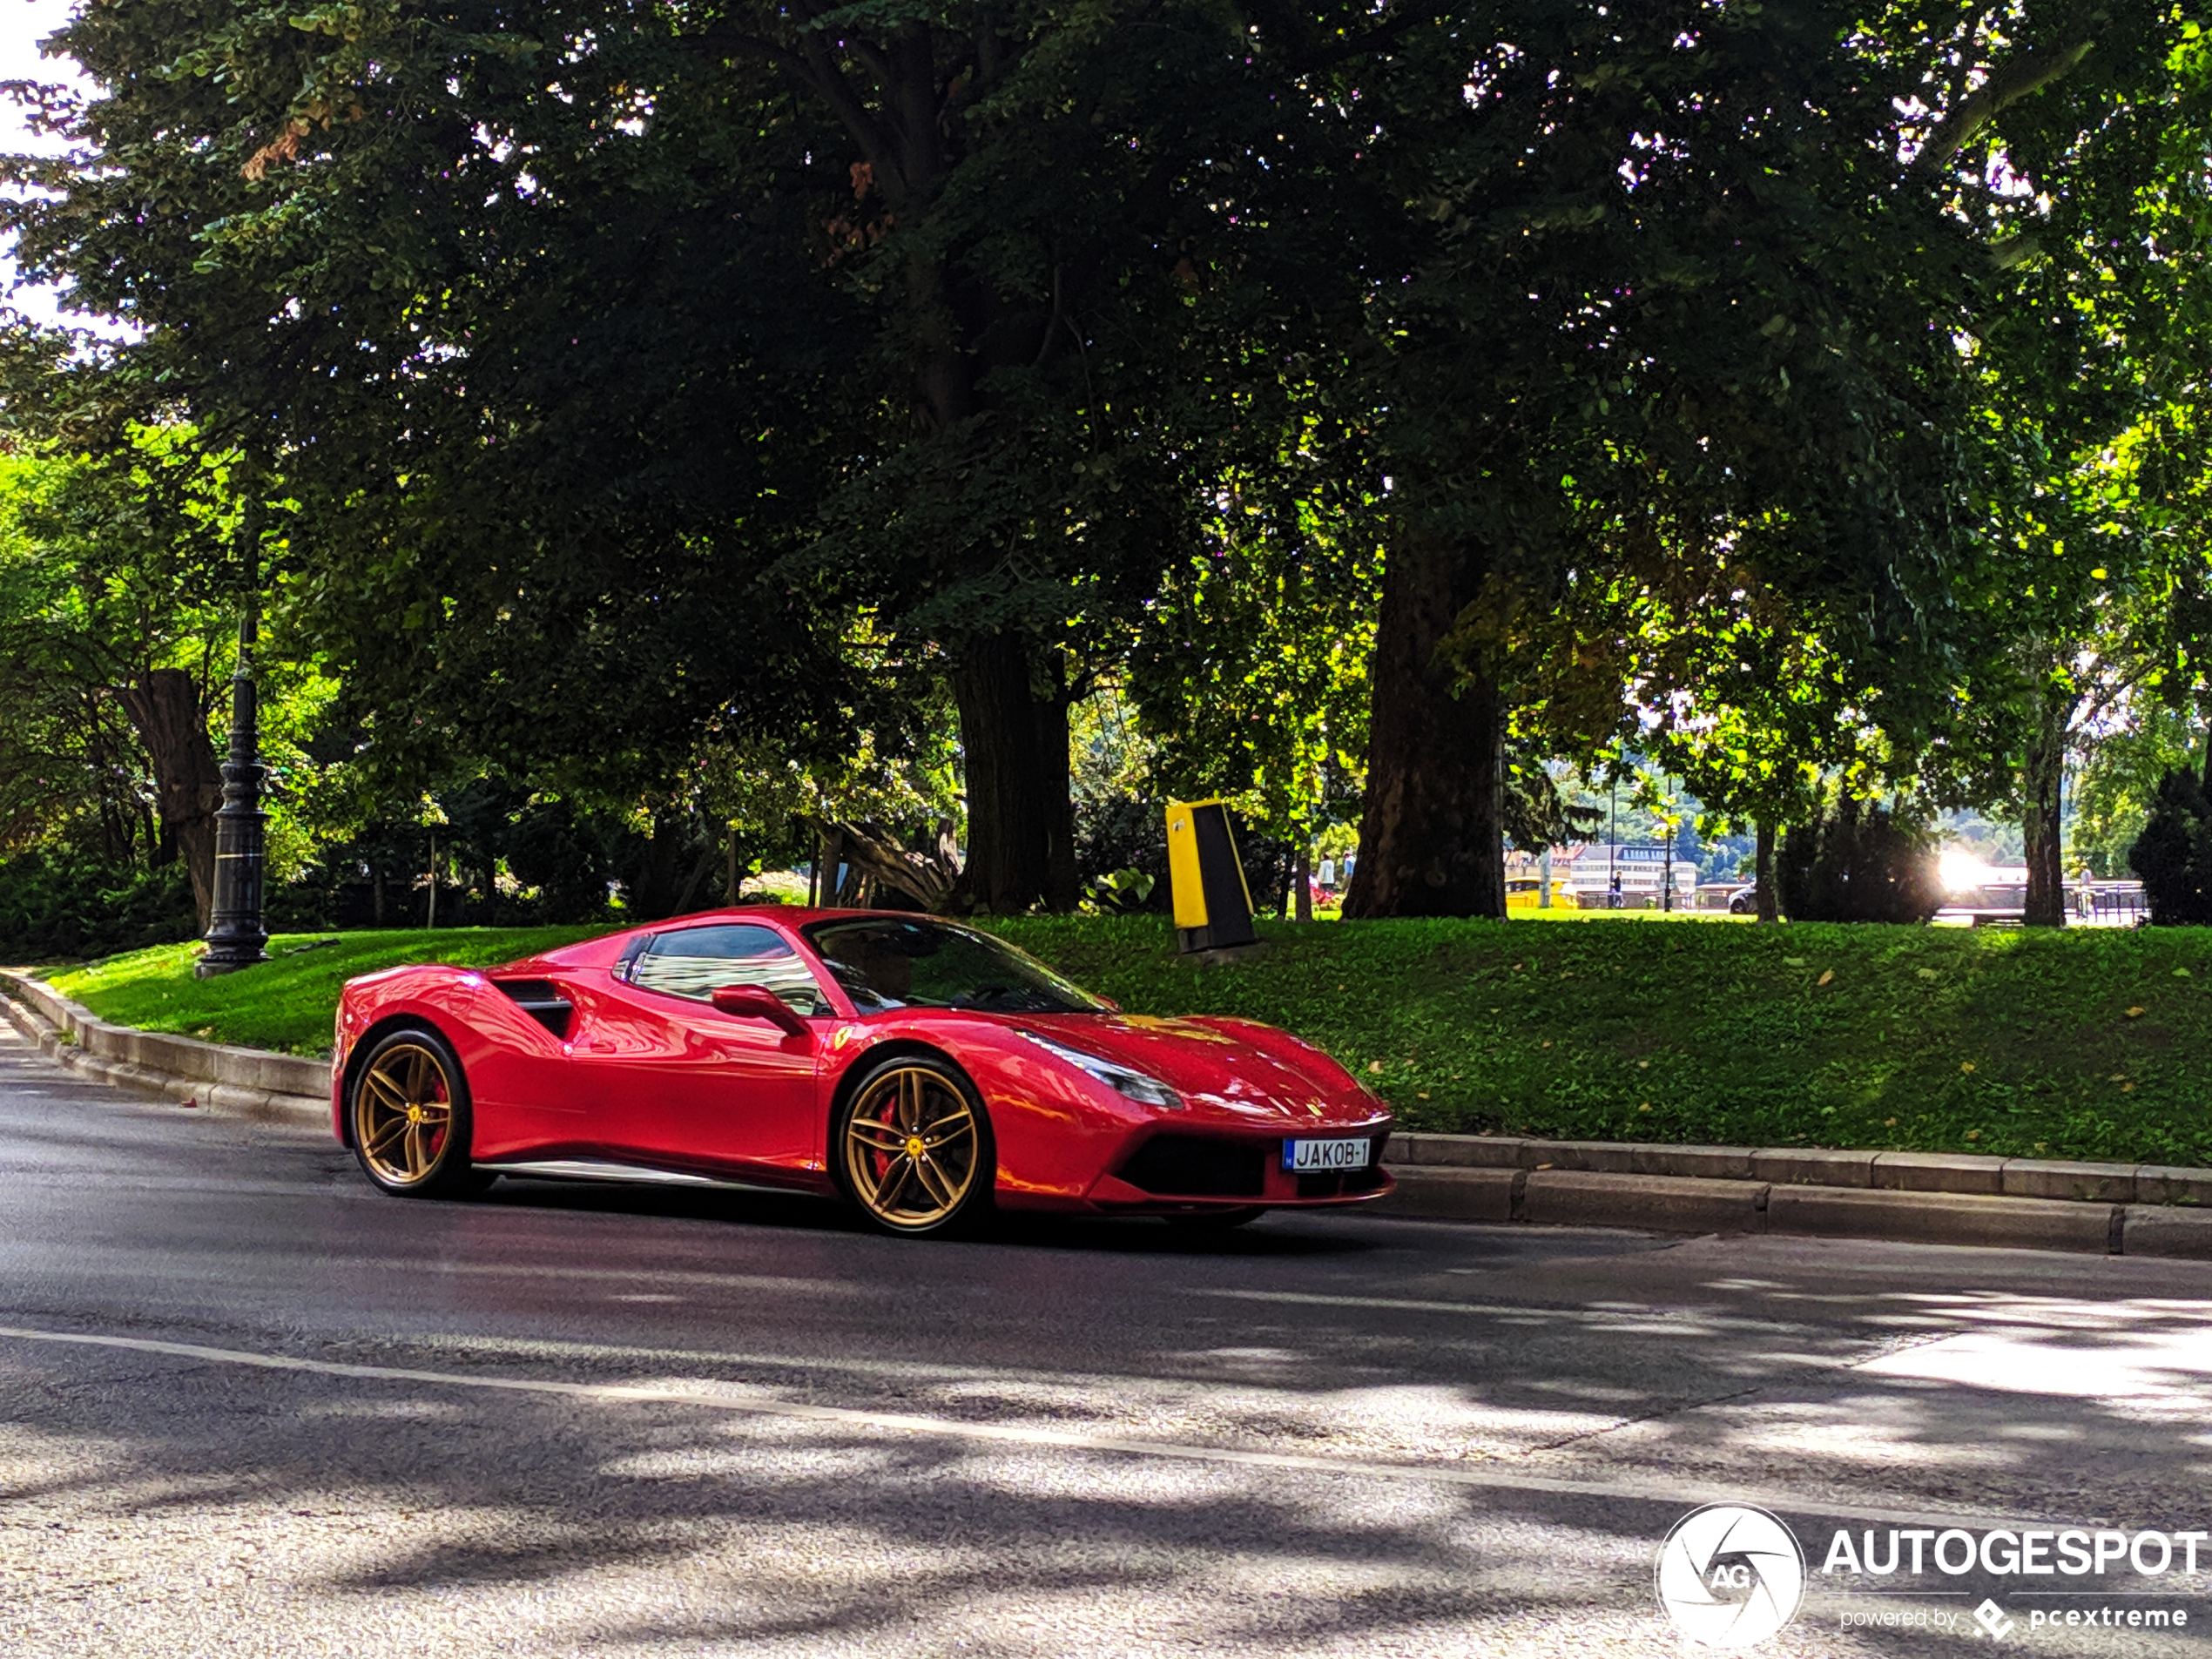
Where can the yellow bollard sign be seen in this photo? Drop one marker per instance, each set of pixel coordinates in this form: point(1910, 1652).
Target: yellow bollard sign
point(1213, 906)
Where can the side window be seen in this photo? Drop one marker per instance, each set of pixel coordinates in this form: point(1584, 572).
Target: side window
point(694, 962)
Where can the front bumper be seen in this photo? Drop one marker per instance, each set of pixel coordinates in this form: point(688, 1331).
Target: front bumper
point(1178, 1169)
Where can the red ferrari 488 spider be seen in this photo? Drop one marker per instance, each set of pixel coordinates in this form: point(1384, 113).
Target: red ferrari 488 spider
point(926, 1071)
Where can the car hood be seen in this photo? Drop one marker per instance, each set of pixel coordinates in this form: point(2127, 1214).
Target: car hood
point(1247, 1070)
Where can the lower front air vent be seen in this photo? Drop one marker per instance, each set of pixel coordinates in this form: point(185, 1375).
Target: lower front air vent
point(1333, 1184)
point(1192, 1166)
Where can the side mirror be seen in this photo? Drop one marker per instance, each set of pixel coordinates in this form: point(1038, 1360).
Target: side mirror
point(758, 1002)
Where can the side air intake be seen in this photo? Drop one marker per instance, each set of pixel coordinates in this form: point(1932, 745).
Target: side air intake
point(541, 1000)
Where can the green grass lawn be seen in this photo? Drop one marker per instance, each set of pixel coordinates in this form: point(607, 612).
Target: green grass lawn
point(2081, 1044)
point(289, 1003)
point(2089, 1044)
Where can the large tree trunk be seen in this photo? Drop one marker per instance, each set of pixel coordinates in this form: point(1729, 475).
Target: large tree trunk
point(1763, 874)
point(164, 709)
point(925, 876)
point(1021, 825)
point(683, 906)
point(1056, 804)
point(653, 892)
point(1017, 793)
point(2042, 776)
point(1431, 842)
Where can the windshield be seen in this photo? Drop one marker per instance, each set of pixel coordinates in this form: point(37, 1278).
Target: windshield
point(894, 963)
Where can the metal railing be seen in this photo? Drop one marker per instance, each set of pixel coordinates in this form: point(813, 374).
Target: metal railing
point(2111, 904)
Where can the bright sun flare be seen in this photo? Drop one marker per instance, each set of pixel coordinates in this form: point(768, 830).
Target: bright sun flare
point(1960, 868)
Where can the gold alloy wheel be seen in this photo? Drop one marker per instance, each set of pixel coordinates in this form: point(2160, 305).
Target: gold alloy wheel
point(403, 1114)
point(910, 1148)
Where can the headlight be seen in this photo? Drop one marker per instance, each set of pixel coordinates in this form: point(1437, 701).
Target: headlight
point(1131, 1085)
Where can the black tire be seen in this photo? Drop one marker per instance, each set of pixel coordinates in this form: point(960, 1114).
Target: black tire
point(1215, 1220)
point(912, 1148)
point(408, 1115)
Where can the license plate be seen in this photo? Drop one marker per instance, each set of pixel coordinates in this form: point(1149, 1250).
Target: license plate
point(1306, 1157)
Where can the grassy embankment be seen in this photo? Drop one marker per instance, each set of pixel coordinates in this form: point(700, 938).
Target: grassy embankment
point(289, 1003)
point(2081, 1045)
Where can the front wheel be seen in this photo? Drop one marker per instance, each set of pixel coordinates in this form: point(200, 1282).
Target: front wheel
point(408, 1111)
point(914, 1146)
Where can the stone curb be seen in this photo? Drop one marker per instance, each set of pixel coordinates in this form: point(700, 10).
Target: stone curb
point(221, 1078)
point(2186, 1233)
point(1669, 1203)
point(1947, 1219)
point(1939, 1172)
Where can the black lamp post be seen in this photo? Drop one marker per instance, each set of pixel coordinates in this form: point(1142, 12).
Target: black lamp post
point(236, 936)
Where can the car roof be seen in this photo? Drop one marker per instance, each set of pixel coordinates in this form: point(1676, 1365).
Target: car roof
point(604, 949)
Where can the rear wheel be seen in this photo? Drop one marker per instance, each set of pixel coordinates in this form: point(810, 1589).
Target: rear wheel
point(408, 1108)
point(914, 1148)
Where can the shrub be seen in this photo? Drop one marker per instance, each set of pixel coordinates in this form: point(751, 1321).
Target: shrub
point(1118, 835)
point(1859, 862)
point(1122, 893)
point(2173, 853)
point(54, 903)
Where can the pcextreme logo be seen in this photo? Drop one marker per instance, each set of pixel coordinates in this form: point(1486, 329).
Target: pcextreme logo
point(1730, 1575)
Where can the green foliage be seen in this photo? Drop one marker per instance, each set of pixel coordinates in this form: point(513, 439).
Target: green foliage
point(1739, 423)
point(1123, 892)
point(1118, 839)
point(103, 579)
point(2051, 595)
point(57, 903)
point(1856, 861)
point(526, 359)
point(651, 409)
point(2173, 853)
point(1251, 672)
point(2117, 782)
point(618, 360)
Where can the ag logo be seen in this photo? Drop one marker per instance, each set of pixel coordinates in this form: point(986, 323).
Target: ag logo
point(1730, 1575)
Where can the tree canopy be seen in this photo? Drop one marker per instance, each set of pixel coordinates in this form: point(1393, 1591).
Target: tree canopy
point(750, 424)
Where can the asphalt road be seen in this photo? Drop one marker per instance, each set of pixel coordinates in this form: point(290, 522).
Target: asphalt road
point(250, 1407)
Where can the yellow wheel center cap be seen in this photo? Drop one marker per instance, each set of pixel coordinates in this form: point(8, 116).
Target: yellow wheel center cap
point(413, 1113)
point(913, 1146)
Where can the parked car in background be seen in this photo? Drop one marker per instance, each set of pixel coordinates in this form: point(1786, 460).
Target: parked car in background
point(1526, 892)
